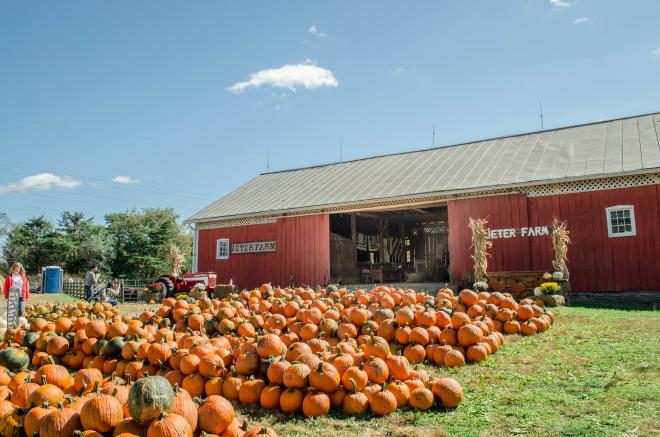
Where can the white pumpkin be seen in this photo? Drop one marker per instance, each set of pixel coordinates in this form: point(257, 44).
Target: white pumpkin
point(537, 291)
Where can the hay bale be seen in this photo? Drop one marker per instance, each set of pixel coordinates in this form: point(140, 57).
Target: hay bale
point(553, 300)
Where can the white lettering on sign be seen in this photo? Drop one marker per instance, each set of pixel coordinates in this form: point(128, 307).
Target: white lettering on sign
point(12, 307)
point(536, 231)
point(253, 247)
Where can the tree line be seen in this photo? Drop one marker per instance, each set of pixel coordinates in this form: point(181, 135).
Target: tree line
point(131, 244)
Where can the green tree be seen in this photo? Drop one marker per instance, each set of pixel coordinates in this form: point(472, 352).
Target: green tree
point(139, 241)
point(36, 244)
point(87, 243)
point(185, 243)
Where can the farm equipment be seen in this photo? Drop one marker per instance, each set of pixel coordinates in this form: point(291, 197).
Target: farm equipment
point(170, 285)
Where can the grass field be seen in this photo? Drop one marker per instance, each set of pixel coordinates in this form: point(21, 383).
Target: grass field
point(595, 372)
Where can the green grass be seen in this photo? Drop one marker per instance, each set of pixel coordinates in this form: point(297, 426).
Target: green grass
point(595, 372)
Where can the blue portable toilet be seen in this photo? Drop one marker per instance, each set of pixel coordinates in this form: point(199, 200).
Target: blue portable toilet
point(52, 278)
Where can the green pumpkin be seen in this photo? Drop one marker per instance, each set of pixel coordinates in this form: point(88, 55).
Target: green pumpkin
point(210, 326)
point(330, 288)
point(99, 345)
point(30, 340)
point(150, 397)
point(447, 310)
point(112, 348)
point(14, 359)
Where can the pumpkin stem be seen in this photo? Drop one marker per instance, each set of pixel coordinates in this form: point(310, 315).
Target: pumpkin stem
point(43, 379)
point(354, 384)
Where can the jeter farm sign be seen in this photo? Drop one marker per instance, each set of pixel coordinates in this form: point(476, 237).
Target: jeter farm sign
point(536, 231)
point(253, 247)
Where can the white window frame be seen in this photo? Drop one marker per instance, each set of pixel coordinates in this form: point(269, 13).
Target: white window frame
point(630, 233)
point(217, 248)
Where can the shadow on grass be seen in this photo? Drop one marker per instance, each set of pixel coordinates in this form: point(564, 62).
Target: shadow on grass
point(629, 301)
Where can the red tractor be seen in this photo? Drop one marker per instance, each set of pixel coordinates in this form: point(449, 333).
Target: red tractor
point(170, 285)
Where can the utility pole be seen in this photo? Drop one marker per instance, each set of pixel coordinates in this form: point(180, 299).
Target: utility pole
point(433, 140)
point(541, 113)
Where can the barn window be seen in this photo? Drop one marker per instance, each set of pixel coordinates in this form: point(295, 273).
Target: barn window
point(222, 248)
point(620, 221)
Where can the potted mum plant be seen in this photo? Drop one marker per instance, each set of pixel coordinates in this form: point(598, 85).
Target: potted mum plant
point(550, 294)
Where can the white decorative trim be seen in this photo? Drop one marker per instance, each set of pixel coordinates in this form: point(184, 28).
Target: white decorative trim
point(236, 222)
point(195, 251)
point(593, 185)
point(435, 199)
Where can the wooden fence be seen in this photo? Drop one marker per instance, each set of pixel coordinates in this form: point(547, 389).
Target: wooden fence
point(74, 289)
point(129, 289)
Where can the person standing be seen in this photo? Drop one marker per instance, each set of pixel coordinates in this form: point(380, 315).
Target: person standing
point(17, 279)
point(91, 281)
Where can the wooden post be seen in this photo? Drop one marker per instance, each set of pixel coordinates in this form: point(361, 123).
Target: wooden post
point(353, 227)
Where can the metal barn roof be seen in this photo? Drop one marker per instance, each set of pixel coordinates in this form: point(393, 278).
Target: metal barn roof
point(602, 149)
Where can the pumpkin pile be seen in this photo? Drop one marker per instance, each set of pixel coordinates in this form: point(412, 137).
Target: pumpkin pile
point(176, 370)
point(52, 311)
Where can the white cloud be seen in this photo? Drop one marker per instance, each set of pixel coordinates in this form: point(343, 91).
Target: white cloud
point(560, 3)
point(314, 31)
point(656, 51)
point(127, 180)
point(40, 182)
point(403, 69)
point(581, 20)
point(307, 75)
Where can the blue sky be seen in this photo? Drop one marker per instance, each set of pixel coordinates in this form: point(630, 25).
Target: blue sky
point(149, 93)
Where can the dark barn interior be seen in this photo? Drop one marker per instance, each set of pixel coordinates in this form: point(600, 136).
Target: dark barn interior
point(395, 246)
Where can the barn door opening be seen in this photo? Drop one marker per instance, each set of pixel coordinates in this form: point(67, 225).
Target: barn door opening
point(398, 246)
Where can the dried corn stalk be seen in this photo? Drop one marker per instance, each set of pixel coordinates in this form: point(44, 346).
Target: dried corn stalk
point(175, 258)
point(481, 244)
point(560, 241)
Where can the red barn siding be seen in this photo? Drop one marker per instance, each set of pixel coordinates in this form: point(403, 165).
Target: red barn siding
point(508, 211)
point(303, 250)
point(596, 261)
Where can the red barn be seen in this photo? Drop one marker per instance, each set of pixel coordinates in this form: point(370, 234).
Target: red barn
point(403, 217)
